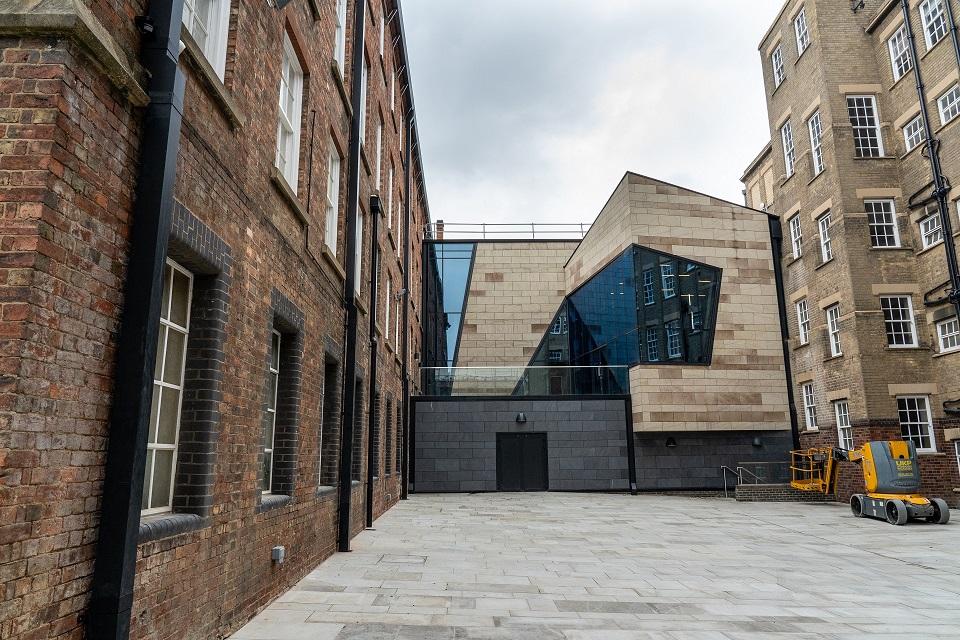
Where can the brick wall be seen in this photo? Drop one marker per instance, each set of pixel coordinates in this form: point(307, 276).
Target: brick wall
point(68, 154)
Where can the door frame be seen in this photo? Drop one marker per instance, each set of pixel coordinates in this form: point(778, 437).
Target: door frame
point(520, 435)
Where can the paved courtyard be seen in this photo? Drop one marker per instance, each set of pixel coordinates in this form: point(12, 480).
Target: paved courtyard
point(615, 567)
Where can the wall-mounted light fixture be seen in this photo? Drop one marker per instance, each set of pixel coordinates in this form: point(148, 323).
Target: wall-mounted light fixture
point(671, 442)
point(521, 418)
point(757, 442)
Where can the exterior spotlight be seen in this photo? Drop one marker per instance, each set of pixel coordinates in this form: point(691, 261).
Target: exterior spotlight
point(521, 418)
point(671, 443)
point(757, 442)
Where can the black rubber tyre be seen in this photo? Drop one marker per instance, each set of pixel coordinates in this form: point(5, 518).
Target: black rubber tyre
point(941, 512)
point(856, 505)
point(896, 512)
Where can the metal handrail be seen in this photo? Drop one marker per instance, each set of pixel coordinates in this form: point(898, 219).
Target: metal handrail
point(500, 230)
point(744, 470)
point(725, 469)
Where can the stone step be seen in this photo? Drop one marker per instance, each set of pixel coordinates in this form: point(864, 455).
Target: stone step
point(778, 493)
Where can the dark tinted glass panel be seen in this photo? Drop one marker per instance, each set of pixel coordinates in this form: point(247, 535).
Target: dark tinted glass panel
point(447, 278)
point(645, 306)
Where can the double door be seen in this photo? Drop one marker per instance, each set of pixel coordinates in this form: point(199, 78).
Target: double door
point(522, 462)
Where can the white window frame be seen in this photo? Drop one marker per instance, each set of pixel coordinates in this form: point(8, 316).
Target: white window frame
point(882, 223)
point(559, 326)
point(552, 352)
point(894, 308)
point(931, 230)
point(901, 62)
point(358, 255)
point(390, 196)
point(796, 236)
point(826, 244)
point(668, 280)
point(948, 104)
point(653, 345)
point(393, 93)
point(948, 335)
point(918, 426)
point(649, 288)
point(833, 330)
point(399, 314)
point(379, 155)
point(841, 409)
point(865, 108)
point(809, 406)
point(288, 124)
point(216, 27)
point(914, 134)
point(934, 21)
point(274, 372)
point(789, 149)
point(382, 28)
point(364, 79)
point(956, 450)
point(674, 346)
point(776, 60)
point(166, 326)
point(388, 303)
point(340, 36)
point(803, 321)
point(802, 31)
point(333, 198)
point(815, 126)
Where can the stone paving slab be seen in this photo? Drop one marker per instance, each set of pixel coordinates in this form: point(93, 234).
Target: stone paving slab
point(554, 566)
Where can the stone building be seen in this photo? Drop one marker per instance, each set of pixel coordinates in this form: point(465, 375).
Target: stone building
point(209, 279)
point(647, 355)
point(868, 223)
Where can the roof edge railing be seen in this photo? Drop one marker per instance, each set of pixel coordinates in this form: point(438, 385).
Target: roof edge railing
point(441, 230)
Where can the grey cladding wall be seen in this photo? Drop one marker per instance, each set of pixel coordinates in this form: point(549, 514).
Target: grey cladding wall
point(456, 442)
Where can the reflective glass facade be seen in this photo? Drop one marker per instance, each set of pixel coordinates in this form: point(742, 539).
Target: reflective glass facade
point(447, 277)
point(643, 307)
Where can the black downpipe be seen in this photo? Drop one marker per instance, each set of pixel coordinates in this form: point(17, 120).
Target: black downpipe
point(405, 341)
point(776, 246)
point(345, 476)
point(373, 395)
point(940, 188)
point(115, 565)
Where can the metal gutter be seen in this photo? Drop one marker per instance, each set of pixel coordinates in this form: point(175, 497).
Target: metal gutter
point(776, 248)
point(940, 186)
point(111, 601)
point(404, 401)
point(345, 474)
point(373, 395)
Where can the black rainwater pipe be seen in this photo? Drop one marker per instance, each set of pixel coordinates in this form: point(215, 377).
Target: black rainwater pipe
point(776, 247)
point(374, 394)
point(940, 188)
point(405, 340)
point(345, 476)
point(111, 602)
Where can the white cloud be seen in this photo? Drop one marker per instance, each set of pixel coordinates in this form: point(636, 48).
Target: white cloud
point(532, 110)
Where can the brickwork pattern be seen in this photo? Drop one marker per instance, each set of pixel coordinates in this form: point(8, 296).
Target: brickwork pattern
point(745, 385)
point(456, 442)
point(849, 55)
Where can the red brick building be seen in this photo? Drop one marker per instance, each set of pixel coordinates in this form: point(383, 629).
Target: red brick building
point(198, 364)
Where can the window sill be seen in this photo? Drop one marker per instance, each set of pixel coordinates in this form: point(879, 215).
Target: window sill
point(945, 125)
point(212, 81)
point(814, 178)
point(777, 87)
point(271, 501)
point(801, 345)
point(333, 262)
point(800, 55)
point(932, 454)
point(812, 430)
point(868, 158)
point(166, 525)
point(930, 49)
point(823, 264)
point(286, 191)
point(314, 9)
point(326, 491)
point(910, 348)
point(900, 79)
point(930, 248)
point(788, 178)
point(362, 308)
point(337, 74)
point(913, 151)
point(839, 356)
point(794, 260)
point(901, 248)
point(950, 352)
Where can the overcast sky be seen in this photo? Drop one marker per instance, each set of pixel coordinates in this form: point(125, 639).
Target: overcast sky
point(532, 110)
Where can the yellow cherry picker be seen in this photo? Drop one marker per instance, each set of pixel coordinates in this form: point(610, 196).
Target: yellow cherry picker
point(890, 474)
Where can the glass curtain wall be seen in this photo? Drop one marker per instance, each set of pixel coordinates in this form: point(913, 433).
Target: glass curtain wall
point(645, 306)
point(447, 279)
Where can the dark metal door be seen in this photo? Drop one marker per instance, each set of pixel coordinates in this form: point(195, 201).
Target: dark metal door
point(522, 462)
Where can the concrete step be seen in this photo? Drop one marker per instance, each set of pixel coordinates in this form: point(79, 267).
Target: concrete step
point(778, 493)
